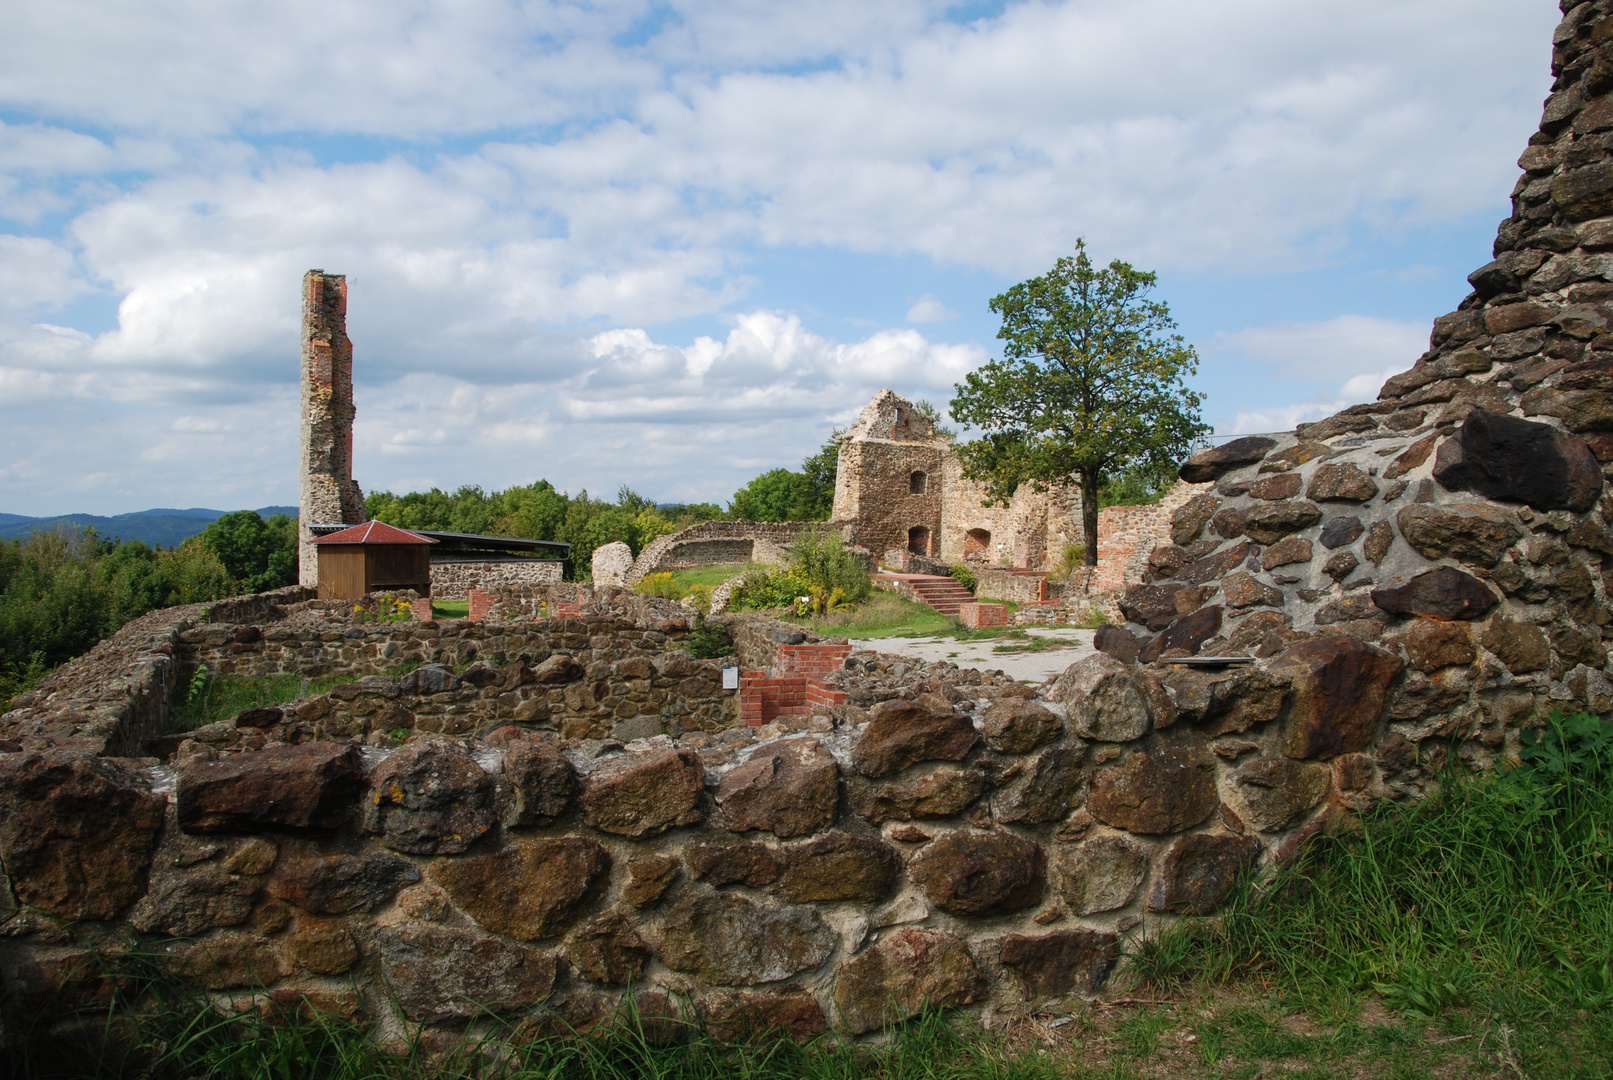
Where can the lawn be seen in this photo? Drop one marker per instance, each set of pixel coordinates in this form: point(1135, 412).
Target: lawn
point(450, 609)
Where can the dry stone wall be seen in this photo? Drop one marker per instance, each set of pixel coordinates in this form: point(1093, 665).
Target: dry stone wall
point(1427, 573)
point(454, 580)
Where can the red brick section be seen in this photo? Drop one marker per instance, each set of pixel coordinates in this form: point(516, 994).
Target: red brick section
point(420, 609)
point(799, 685)
point(564, 610)
point(811, 659)
point(974, 616)
point(481, 602)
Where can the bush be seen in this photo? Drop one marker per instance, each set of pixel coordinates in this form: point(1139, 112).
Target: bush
point(710, 640)
point(661, 584)
point(962, 575)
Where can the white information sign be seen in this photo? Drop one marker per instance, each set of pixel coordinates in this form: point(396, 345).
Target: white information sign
point(730, 678)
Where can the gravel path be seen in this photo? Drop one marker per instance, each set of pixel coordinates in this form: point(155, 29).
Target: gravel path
point(1025, 667)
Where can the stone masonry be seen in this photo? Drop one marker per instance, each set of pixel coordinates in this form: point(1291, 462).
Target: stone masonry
point(548, 820)
point(329, 494)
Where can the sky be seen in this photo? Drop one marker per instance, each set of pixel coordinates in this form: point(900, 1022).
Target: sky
point(673, 245)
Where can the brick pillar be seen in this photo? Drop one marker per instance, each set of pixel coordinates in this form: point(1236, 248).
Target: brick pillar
point(328, 494)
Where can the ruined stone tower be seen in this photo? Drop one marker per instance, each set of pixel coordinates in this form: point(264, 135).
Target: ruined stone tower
point(329, 495)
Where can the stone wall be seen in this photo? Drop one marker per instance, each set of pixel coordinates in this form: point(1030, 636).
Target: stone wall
point(713, 543)
point(453, 580)
point(958, 843)
point(1443, 550)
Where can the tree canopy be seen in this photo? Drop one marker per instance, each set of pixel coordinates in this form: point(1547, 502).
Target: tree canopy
point(787, 495)
point(1091, 385)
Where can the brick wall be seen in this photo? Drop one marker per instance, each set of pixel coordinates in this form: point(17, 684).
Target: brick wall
point(798, 685)
point(974, 616)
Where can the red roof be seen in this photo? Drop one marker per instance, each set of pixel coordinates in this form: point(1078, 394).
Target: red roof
point(373, 532)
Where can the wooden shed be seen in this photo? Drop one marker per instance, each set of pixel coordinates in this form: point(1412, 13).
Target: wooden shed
point(373, 557)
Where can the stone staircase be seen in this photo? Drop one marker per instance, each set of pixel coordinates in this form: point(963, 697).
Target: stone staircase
point(944, 594)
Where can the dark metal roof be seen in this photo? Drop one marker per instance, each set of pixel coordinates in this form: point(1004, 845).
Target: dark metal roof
point(449, 541)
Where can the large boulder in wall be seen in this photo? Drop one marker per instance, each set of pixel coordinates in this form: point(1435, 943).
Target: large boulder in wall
point(611, 563)
point(1514, 460)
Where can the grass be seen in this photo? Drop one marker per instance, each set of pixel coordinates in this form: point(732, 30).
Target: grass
point(1486, 909)
point(210, 698)
point(450, 609)
point(708, 575)
point(156, 1029)
point(884, 614)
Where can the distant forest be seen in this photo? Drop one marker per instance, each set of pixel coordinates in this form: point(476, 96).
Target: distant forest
point(64, 589)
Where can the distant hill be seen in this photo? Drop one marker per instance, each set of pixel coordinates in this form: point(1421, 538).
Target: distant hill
point(164, 526)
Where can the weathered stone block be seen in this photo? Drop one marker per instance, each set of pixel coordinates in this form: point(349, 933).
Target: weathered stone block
point(1341, 482)
point(312, 787)
point(76, 833)
point(1441, 593)
point(1107, 700)
point(938, 792)
point(645, 794)
point(837, 866)
point(980, 873)
point(607, 949)
point(1163, 787)
point(530, 889)
point(1273, 521)
point(903, 973)
point(438, 973)
point(430, 798)
point(1276, 791)
point(1339, 687)
point(1189, 519)
point(736, 1016)
point(1503, 457)
point(1520, 646)
point(1431, 644)
point(1055, 965)
point(334, 884)
point(1101, 874)
point(1288, 550)
point(901, 733)
point(537, 782)
point(1199, 871)
point(1473, 533)
point(1211, 464)
point(1013, 725)
point(728, 940)
point(789, 788)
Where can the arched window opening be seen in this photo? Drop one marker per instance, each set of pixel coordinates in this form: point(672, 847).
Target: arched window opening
point(918, 540)
point(977, 544)
point(917, 482)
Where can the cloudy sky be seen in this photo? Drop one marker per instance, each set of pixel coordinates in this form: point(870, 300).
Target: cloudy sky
point(672, 244)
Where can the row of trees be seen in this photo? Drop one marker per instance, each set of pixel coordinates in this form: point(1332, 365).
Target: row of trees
point(539, 511)
point(62, 591)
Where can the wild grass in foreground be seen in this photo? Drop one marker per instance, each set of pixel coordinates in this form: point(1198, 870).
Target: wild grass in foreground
point(1488, 909)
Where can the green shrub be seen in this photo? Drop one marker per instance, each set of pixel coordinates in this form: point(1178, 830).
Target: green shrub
point(962, 575)
point(663, 585)
point(710, 640)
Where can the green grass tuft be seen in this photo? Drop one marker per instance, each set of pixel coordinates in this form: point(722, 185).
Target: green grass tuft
point(1494, 896)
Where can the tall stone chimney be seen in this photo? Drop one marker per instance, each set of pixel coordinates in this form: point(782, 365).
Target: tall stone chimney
point(329, 495)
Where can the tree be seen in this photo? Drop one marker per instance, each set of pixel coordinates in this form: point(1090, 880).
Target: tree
point(1090, 385)
point(784, 495)
point(257, 554)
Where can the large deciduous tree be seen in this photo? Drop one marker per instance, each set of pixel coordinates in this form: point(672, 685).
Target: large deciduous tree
point(1090, 384)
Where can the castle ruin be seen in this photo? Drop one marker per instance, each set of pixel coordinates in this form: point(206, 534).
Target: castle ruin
point(329, 495)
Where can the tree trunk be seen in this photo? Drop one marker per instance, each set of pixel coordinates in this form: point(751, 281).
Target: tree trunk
point(1089, 514)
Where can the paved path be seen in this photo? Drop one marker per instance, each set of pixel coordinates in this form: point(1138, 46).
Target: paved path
point(1026, 667)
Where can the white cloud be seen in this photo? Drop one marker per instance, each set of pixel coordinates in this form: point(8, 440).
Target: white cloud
point(1350, 346)
point(929, 309)
point(1350, 356)
point(504, 181)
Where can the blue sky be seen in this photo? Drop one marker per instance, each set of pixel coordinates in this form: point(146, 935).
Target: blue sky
point(674, 244)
